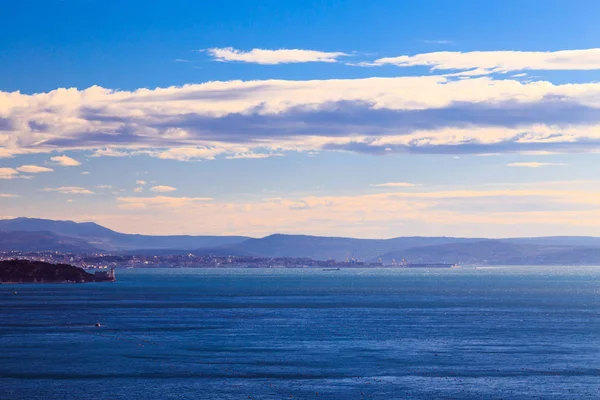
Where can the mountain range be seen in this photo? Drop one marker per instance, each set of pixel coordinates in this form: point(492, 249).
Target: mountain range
point(32, 234)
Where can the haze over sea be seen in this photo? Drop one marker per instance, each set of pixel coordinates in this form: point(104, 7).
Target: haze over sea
point(470, 333)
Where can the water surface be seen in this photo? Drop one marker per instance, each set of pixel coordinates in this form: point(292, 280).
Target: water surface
point(471, 333)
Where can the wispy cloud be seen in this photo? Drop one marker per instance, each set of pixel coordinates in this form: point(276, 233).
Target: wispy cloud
point(487, 62)
point(534, 164)
point(65, 161)
point(140, 182)
point(271, 57)
point(33, 169)
point(8, 173)
point(438, 41)
point(108, 153)
point(69, 190)
point(104, 186)
point(133, 203)
point(162, 188)
point(396, 184)
point(7, 195)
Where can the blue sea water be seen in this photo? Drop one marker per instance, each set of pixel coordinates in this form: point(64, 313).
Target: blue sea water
point(470, 333)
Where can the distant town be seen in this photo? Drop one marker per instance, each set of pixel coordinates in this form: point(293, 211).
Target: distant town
point(107, 261)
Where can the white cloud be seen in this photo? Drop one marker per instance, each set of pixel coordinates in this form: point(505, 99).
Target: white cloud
point(7, 195)
point(138, 190)
point(33, 169)
point(162, 188)
point(85, 173)
point(65, 161)
point(8, 173)
point(104, 186)
point(534, 164)
point(235, 119)
point(271, 57)
point(140, 182)
point(396, 184)
point(69, 190)
point(486, 62)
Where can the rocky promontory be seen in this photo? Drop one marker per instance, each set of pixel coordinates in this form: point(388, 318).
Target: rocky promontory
point(25, 271)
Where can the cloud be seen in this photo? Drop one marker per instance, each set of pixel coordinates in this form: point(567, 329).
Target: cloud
point(487, 62)
point(534, 164)
point(396, 184)
point(235, 119)
point(456, 212)
point(85, 173)
point(108, 153)
point(133, 203)
point(272, 57)
point(33, 169)
point(104, 186)
point(8, 173)
point(138, 190)
point(65, 161)
point(162, 188)
point(7, 195)
point(253, 155)
point(140, 182)
point(68, 190)
point(438, 41)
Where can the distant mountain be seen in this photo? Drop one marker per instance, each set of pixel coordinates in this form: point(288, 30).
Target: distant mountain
point(31, 234)
point(43, 241)
point(338, 248)
point(106, 239)
point(498, 252)
point(586, 241)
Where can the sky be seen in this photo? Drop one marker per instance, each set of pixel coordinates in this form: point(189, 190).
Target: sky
point(368, 119)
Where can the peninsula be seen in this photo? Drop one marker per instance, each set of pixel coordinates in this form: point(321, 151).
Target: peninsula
point(25, 271)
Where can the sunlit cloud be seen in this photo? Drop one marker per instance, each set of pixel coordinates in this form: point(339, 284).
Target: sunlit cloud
point(8, 173)
point(162, 188)
point(65, 161)
point(131, 203)
point(69, 190)
point(487, 62)
point(33, 169)
point(534, 164)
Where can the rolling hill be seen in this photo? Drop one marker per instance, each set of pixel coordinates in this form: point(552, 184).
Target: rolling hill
point(30, 234)
point(103, 238)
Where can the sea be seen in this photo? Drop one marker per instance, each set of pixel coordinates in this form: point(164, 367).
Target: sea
point(469, 333)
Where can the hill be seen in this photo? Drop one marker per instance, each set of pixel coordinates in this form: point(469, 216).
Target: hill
point(103, 238)
point(23, 271)
point(498, 252)
point(43, 241)
point(338, 248)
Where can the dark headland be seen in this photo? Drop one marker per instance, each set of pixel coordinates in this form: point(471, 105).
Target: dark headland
point(24, 271)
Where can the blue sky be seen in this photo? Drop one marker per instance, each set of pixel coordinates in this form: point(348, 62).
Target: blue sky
point(350, 118)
